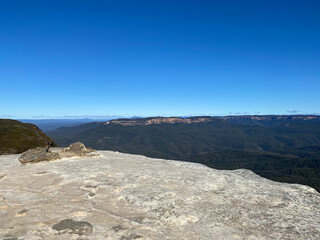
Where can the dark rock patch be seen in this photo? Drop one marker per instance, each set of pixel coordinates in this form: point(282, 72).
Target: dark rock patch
point(118, 228)
point(137, 219)
point(23, 211)
point(10, 238)
point(73, 227)
point(131, 237)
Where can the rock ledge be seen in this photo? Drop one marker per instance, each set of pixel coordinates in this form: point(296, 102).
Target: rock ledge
point(118, 196)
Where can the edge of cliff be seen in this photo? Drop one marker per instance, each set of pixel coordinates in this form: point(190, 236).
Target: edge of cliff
point(122, 196)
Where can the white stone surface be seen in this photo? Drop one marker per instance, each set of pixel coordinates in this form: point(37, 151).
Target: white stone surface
point(134, 197)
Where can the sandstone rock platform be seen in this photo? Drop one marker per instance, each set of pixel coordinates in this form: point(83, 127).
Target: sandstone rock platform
point(121, 196)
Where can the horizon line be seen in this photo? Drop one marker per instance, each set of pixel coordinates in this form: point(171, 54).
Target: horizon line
point(93, 117)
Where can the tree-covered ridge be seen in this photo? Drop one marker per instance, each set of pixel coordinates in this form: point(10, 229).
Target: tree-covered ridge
point(17, 137)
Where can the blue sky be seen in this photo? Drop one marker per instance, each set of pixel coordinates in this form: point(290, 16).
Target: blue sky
point(164, 57)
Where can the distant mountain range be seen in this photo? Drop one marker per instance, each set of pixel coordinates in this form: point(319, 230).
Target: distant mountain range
point(278, 147)
point(52, 124)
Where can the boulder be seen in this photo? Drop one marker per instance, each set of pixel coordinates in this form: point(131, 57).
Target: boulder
point(75, 150)
point(45, 154)
point(37, 155)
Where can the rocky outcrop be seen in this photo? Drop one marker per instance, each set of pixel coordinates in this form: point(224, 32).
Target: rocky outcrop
point(38, 155)
point(75, 150)
point(121, 196)
point(45, 154)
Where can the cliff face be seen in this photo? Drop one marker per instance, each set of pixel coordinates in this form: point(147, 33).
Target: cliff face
point(159, 120)
point(273, 117)
point(17, 137)
point(271, 120)
point(245, 119)
point(122, 196)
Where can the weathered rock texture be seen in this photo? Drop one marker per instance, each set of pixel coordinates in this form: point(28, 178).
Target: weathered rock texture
point(45, 154)
point(121, 196)
point(75, 150)
point(38, 155)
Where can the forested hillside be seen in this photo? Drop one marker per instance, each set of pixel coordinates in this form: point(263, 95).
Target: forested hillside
point(17, 137)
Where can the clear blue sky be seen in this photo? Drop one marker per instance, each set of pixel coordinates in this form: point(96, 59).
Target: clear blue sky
point(162, 57)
